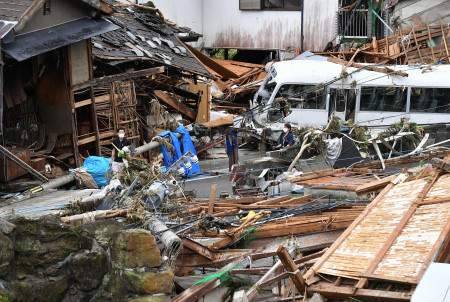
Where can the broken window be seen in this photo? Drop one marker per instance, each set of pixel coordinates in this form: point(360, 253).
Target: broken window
point(293, 5)
point(431, 100)
point(392, 99)
point(303, 96)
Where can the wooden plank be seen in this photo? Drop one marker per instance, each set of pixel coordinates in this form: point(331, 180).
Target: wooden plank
point(393, 236)
point(291, 267)
point(121, 77)
point(375, 185)
point(333, 291)
point(83, 103)
point(212, 198)
point(349, 230)
point(87, 140)
point(176, 105)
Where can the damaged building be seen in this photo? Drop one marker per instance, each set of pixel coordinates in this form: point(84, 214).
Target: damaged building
point(207, 150)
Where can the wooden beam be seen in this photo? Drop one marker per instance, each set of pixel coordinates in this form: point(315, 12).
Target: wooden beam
point(290, 266)
point(121, 77)
point(333, 291)
point(212, 198)
point(174, 104)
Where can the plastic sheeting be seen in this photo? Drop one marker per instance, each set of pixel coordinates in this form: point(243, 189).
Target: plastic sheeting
point(188, 146)
point(180, 147)
point(98, 167)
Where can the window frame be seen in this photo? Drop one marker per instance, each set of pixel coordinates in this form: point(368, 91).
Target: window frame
point(325, 95)
point(406, 105)
point(264, 8)
point(410, 100)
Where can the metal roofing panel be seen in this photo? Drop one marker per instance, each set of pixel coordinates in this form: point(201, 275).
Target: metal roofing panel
point(32, 44)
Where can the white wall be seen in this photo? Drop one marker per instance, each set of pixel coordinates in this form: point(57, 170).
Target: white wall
point(320, 23)
point(185, 13)
point(224, 25)
point(227, 26)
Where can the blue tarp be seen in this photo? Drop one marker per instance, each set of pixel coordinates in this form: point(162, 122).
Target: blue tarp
point(188, 146)
point(180, 147)
point(98, 167)
point(170, 156)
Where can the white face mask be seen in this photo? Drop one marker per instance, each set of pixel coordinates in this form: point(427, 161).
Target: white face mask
point(285, 130)
point(121, 135)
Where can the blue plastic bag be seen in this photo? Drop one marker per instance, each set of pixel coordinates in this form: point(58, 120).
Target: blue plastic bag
point(98, 167)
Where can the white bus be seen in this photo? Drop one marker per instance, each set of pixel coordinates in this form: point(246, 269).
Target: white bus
point(314, 90)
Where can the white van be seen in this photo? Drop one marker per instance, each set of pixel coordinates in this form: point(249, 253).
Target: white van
point(314, 90)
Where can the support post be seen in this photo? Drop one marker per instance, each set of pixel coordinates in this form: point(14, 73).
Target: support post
point(291, 267)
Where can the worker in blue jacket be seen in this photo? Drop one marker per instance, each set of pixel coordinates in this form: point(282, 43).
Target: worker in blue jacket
point(232, 147)
point(286, 138)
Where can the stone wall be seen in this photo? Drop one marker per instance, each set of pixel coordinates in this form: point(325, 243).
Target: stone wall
point(44, 260)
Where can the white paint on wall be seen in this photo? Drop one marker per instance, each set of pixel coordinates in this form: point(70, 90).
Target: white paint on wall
point(185, 13)
point(320, 23)
point(222, 24)
point(227, 26)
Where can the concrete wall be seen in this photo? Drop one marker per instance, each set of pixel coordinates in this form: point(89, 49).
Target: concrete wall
point(224, 25)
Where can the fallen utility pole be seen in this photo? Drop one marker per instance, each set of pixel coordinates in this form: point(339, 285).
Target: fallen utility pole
point(22, 164)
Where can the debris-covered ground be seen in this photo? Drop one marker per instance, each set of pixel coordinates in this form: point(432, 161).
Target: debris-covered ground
point(140, 164)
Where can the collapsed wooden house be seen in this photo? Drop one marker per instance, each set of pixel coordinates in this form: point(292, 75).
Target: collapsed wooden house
point(386, 250)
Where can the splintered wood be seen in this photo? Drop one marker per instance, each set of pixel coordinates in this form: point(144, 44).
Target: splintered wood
point(401, 232)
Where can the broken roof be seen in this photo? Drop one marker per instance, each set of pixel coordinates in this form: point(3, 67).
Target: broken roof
point(144, 35)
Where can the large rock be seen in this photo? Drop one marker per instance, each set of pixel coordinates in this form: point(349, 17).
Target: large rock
point(44, 242)
point(6, 254)
point(135, 248)
point(6, 227)
point(104, 231)
point(34, 289)
point(89, 267)
point(146, 283)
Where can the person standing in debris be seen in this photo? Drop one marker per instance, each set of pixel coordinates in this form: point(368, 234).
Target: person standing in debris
point(119, 145)
point(286, 138)
point(232, 147)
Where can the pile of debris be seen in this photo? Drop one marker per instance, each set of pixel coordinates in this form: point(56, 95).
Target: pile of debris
point(425, 44)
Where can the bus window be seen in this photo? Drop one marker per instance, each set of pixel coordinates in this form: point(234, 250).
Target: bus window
point(342, 103)
point(303, 96)
point(391, 99)
point(430, 100)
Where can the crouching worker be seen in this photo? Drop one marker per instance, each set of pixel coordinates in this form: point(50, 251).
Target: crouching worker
point(119, 147)
point(286, 138)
